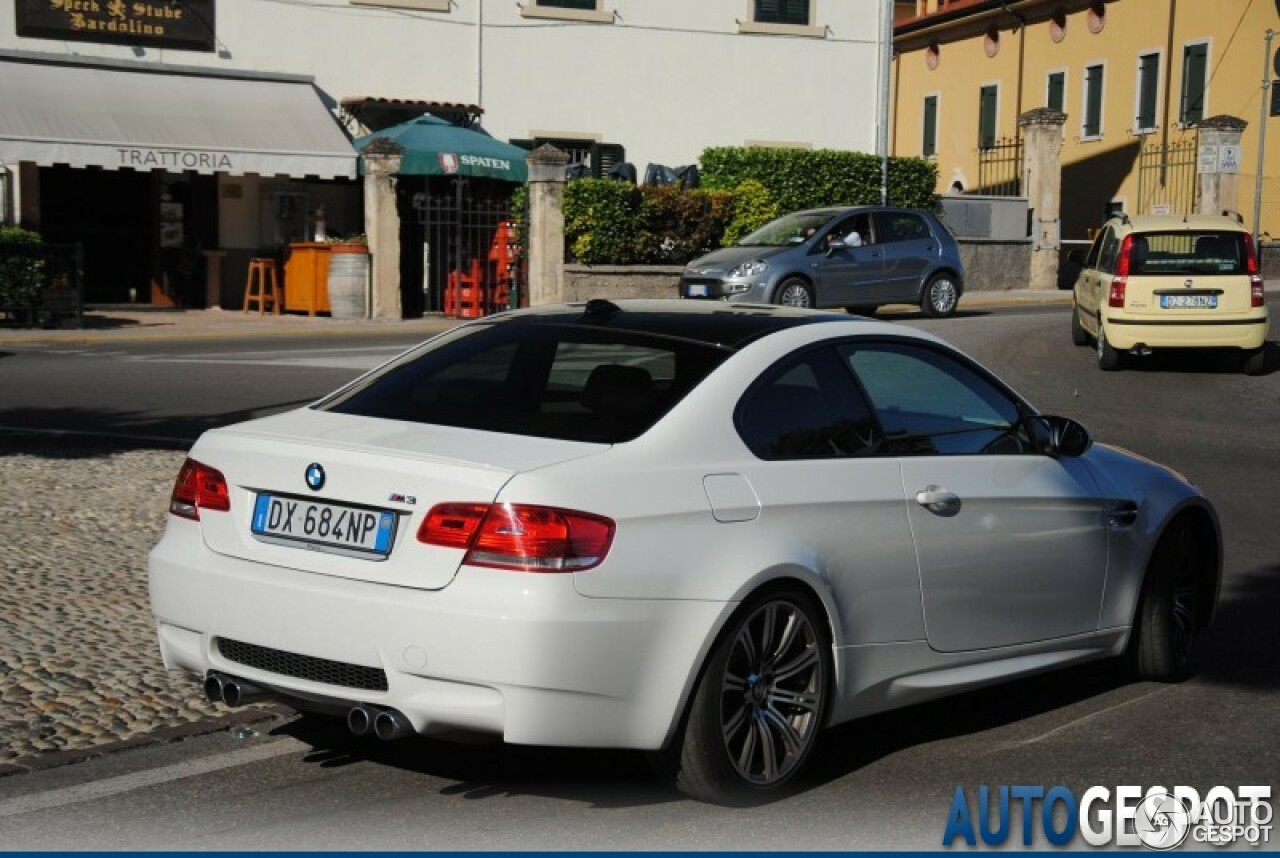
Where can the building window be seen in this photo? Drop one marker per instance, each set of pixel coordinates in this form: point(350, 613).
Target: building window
point(1055, 97)
point(588, 11)
point(988, 98)
point(1148, 89)
point(782, 18)
point(1093, 82)
point(929, 146)
point(794, 12)
point(1195, 63)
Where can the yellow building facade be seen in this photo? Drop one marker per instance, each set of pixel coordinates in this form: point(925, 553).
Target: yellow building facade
point(1132, 76)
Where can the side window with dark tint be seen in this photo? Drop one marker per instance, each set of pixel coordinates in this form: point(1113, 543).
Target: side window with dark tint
point(929, 403)
point(808, 408)
point(1107, 255)
point(901, 226)
point(1091, 260)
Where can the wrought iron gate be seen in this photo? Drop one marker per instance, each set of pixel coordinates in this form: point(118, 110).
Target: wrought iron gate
point(1000, 168)
point(1167, 177)
point(463, 259)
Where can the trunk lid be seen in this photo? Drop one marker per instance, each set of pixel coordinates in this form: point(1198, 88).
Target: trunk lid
point(370, 465)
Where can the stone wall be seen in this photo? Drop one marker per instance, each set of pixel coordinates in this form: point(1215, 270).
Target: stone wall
point(584, 282)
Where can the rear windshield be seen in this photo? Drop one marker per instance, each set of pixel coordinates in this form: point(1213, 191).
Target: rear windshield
point(550, 381)
point(1188, 253)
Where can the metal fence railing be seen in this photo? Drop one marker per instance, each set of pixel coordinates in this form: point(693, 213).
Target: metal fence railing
point(1167, 177)
point(1000, 168)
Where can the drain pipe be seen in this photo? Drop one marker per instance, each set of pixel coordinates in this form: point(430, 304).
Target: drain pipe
point(1262, 143)
point(886, 70)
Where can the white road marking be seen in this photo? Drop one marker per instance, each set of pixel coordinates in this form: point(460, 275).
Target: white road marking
point(151, 777)
point(1071, 725)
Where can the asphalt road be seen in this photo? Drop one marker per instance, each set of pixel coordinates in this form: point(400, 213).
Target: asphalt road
point(881, 782)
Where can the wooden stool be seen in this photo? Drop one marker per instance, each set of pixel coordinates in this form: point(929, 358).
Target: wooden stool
point(256, 289)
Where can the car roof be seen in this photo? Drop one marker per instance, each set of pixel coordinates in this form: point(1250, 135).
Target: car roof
point(1175, 223)
point(712, 323)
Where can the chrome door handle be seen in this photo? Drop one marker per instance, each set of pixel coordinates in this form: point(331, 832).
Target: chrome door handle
point(938, 500)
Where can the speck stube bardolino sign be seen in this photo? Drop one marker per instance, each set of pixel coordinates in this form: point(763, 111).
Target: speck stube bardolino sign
point(187, 26)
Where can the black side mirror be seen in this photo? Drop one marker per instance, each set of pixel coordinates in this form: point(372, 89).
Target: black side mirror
point(1062, 437)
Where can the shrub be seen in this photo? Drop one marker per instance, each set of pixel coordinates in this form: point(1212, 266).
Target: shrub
point(21, 268)
point(676, 225)
point(601, 221)
point(805, 178)
point(753, 207)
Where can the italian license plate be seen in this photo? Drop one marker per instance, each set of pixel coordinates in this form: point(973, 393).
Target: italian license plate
point(697, 290)
point(1189, 302)
point(323, 526)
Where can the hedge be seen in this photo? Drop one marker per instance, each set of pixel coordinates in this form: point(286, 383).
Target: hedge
point(21, 268)
point(809, 178)
point(616, 223)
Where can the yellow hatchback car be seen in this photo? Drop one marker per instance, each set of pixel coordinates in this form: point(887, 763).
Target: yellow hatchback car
point(1170, 281)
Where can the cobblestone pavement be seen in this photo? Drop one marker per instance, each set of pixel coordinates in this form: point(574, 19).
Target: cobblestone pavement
point(79, 664)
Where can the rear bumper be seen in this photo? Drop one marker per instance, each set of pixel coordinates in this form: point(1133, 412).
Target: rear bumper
point(520, 655)
point(1246, 332)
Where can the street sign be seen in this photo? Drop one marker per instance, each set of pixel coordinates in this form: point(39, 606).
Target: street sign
point(1229, 159)
point(1208, 159)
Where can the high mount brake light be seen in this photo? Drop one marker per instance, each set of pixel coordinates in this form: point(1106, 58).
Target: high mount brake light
point(1121, 279)
point(520, 537)
point(198, 487)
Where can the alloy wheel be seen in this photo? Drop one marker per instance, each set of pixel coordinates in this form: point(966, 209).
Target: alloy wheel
point(771, 696)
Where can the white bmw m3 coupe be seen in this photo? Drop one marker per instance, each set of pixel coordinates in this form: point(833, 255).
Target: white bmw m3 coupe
point(701, 530)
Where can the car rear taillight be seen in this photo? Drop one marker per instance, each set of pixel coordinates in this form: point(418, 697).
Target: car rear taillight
point(198, 487)
point(1257, 296)
point(519, 536)
point(1121, 278)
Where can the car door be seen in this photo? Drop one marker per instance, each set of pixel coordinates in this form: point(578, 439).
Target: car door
point(1012, 544)
point(909, 249)
point(1094, 281)
point(827, 496)
point(851, 274)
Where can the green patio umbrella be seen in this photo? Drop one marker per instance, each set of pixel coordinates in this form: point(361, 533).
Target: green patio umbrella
point(433, 147)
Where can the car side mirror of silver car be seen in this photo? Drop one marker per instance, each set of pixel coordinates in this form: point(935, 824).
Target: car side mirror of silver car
point(1062, 437)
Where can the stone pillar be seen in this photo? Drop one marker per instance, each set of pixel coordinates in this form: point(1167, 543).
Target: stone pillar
point(1218, 164)
point(546, 225)
point(1042, 186)
point(382, 226)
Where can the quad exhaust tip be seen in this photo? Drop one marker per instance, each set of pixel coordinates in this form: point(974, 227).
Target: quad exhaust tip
point(387, 724)
point(231, 690)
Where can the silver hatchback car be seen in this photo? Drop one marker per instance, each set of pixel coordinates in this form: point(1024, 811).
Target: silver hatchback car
point(858, 258)
point(855, 258)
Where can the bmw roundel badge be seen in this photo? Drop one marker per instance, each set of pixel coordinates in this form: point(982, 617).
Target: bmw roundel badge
point(315, 476)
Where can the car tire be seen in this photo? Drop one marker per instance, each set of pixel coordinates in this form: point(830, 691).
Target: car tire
point(759, 704)
point(794, 292)
point(1168, 619)
point(1108, 357)
point(941, 296)
point(1079, 335)
point(1255, 362)
point(862, 310)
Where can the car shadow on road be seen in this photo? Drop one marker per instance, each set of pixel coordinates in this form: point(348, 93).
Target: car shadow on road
point(1200, 361)
point(906, 313)
point(1242, 647)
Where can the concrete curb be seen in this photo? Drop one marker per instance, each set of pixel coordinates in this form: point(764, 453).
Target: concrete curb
point(162, 736)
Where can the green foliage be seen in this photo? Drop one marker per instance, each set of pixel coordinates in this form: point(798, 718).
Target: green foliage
point(21, 268)
point(615, 223)
point(810, 178)
point(601, 221)
point(676, 225)
point(753, 207)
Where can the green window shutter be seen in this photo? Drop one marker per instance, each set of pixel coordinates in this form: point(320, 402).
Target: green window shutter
point(1194, 62)
point(1093, 101)
point(930, 146)
point(1056, 97)
point(1148, 82)
point(782, 12)
point(987, 117)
